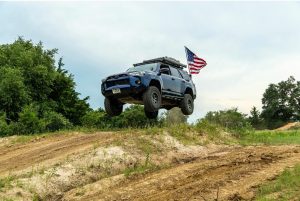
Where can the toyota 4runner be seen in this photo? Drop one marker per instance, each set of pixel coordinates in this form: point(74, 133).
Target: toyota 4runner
point(156, 83)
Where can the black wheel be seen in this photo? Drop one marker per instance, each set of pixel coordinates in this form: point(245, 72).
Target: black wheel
point(152, 99)
point(113, 107)
point(187, 104)
point(151, 115)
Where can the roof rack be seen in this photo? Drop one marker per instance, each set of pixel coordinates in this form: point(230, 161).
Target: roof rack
point(166, 60)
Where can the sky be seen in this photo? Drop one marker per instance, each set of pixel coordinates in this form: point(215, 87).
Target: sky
point(247, 45)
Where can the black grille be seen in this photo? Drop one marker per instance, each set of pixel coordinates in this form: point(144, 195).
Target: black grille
point(117, 82)
point(117, 76)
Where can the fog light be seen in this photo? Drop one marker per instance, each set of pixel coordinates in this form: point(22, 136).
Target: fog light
point(138, 81)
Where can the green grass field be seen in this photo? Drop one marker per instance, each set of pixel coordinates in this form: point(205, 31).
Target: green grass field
point(272, 138)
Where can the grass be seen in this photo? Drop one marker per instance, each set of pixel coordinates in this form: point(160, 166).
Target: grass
point(284, 187)
point(6, 182)
point(272, 137)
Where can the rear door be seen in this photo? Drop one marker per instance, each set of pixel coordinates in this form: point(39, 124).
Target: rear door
point(178, 81)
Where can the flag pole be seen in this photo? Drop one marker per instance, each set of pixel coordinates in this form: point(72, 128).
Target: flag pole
point(186, 55)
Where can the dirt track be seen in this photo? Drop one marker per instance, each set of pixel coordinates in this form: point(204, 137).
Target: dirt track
point(229, 173)
point(47, 151)
point(226, 175)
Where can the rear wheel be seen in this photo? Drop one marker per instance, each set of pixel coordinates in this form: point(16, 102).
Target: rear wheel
point(113, 107)
point(152, 99)
point(187, 104)
point(151, 115)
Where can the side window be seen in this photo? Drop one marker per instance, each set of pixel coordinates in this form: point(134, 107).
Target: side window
point(164, 69)
point(174, 72)
point(185, 75)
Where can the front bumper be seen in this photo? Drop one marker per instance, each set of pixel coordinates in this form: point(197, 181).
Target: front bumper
point(129, 86)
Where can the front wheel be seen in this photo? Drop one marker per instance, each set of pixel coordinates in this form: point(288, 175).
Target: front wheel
point(113, 107)
point(151, 115)
point(187, 104)
point(152, 99)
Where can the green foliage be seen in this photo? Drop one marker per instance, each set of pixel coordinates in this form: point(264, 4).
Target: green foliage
point(183, 133)
point(272, 137)
point(13, 93)
point(94, 119)
point(285, 187)
point(204, 126)
point(281, 103)
point(5, 129)
point(6, 182)
point(54, 121)
point(255, 119)
point(29, 122)
point(132, 117)
point(28, 74)
point(231, 120)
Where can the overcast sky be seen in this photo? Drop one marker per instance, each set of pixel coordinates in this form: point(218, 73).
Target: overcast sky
point(247, 45)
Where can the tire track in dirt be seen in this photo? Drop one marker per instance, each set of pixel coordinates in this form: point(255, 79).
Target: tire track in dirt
point(232, 175)
point(50, 150)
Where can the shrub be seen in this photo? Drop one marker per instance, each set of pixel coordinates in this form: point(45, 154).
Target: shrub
point(230, 120)
point(94, 119)
point(5, 129)
point(29, 122)
point(54, 121)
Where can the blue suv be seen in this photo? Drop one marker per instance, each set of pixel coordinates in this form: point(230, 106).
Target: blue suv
point(156, 83)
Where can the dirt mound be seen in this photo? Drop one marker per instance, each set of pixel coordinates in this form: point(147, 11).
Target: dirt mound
point(288, 126)
point(226, 175)
point(93, 167)
point(47, 151)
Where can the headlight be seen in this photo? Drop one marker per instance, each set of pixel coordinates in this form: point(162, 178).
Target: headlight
point(135, 74)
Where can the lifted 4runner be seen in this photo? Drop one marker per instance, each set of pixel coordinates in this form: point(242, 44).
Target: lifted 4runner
point(156, 83)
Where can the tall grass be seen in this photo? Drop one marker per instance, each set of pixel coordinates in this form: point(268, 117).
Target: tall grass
point(272, 137)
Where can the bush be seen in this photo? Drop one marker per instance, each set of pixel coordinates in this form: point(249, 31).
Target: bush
point(230, 120)
point(54, 121)
point(5, 129)
point(94, 119)
point(29, 122)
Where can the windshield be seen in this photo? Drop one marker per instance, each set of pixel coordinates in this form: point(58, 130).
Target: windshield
point(145, 67)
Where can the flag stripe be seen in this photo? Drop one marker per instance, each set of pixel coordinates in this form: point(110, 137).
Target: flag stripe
point(195, 63)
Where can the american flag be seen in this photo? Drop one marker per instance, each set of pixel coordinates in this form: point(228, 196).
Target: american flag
point(195, 63)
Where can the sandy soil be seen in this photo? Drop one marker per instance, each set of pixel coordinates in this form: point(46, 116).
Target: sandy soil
point(90, 167)
point(47, 151)
point(288, 126)
point(229, 175)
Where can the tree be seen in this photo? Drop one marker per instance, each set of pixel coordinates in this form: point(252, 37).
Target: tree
point(281, 103)
point(13, 92)
point(29, 74)
point(230, 119)
point(255, 119)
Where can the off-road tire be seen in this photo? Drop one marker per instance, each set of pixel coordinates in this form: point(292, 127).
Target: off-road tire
point(151, 115)
point(113, 107)
point(152, 99)
point(187, 104)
